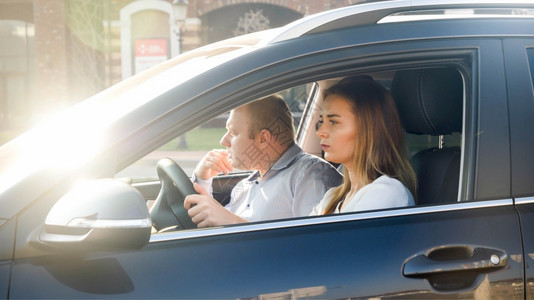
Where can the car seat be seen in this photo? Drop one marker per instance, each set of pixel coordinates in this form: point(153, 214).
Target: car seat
point(430, 102)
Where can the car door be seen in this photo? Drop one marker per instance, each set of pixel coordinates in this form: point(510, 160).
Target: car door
point(519, 55)
point(469, 249)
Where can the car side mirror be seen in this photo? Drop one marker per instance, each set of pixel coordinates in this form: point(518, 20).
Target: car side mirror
point(102, 214)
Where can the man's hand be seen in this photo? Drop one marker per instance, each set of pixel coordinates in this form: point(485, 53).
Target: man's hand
point(206, 211)
point(213, 163)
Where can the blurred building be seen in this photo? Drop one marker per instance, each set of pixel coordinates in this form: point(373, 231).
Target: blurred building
point(54, 53)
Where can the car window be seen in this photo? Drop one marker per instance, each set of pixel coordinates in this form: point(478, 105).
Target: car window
point(436, 155)
point(435, 150)
point(418, 142)
point(188, 149)
point(430, 104)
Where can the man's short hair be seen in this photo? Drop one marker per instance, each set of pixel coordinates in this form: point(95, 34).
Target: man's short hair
point(272, 113)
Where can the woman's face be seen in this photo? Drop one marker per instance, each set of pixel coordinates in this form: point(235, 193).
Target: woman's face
point(337, 130)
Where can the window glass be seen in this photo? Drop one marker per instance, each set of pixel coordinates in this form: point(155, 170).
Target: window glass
point(437, 169)
point(436, 159)
point(187, 150)
point(418, 142)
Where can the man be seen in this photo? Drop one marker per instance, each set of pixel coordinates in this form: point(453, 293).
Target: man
point(287, 182)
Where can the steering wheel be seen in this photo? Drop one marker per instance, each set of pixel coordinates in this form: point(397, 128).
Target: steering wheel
point(168, 211)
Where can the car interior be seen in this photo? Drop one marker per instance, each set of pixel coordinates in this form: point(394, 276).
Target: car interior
point(430, 102)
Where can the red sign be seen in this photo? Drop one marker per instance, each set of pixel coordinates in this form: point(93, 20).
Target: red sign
point(149, 52)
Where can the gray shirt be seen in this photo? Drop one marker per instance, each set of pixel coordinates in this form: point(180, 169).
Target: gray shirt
point(293, 186)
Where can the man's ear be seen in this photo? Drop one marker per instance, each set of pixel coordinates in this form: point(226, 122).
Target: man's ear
point(266, 138)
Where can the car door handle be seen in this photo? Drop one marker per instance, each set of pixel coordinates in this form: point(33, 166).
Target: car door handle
point(455, 258)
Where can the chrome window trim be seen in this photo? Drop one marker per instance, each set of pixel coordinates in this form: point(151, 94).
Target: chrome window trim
point(524, 200)
point(449, 14)
point(312, 22)
point(217, 231)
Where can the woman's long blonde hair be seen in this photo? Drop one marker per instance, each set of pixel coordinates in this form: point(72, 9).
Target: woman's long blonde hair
point(379, 145)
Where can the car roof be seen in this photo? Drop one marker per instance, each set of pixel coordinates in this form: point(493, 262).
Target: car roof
point(372, 13)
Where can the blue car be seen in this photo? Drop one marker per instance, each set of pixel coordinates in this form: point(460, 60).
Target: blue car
point(75, 192)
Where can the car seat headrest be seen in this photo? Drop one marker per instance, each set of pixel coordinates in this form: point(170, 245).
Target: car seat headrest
point(429, 101)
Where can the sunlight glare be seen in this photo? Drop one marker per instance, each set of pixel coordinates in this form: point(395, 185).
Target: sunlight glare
point(66, 143)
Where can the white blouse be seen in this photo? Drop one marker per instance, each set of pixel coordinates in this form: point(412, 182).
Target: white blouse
point(384, 192)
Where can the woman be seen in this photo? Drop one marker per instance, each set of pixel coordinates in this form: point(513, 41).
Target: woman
point(360, 128)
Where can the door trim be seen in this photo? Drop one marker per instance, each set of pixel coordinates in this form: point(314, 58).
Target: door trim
point(524, 200)
point(317, 220)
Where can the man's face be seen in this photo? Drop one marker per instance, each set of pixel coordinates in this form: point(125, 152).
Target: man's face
point(243, 152)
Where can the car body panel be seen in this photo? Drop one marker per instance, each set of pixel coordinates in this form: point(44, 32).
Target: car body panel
point(293, 259)
point(492, 130)
point(525, 207)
